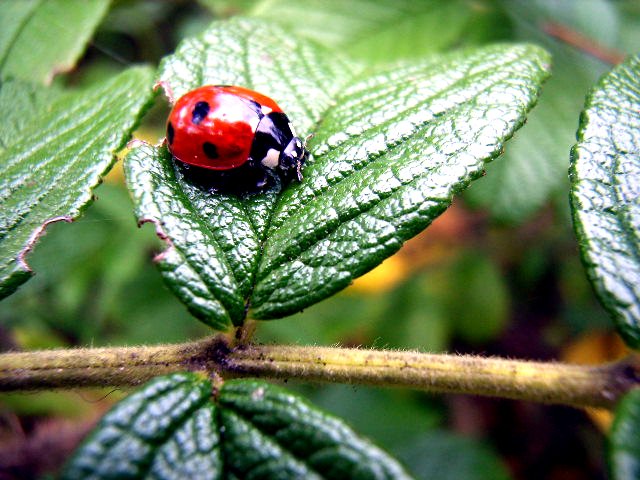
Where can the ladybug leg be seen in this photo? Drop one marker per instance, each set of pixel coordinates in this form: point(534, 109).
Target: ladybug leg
point(306, 140)
point(265, 177)
point(262, 182)
point(256, 176)
point(292, 159)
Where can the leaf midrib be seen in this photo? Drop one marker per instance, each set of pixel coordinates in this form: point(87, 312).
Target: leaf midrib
point(176, 424)
point(275, 207)
point(194, 215)
point(272, 437)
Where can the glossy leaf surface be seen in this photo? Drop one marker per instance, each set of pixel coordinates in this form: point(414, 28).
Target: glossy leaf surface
point(390, 150)
point(605, 177)
point(172, 429)
point(50, 164)
point(624, 441)
point(21, 103)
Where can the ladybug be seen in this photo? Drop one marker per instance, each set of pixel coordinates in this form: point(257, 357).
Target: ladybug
point(234, 135)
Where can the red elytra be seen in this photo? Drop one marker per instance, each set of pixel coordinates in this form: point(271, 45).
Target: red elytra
point(213, 126)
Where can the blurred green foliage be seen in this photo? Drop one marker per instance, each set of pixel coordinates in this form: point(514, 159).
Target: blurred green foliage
point(464, 298)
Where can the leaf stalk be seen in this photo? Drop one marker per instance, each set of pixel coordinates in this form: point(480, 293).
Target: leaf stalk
point(547, 382)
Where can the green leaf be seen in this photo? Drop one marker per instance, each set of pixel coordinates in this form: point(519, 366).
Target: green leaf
point(534, 165)
point(624, 441)
point(390, 151)
point(629, 28)
point(20, 104)
point(172, 430)
point(41, 39)
point(533, 170)
point(406, 414)
point(378, 30)
point(301, 77)
point(605, 177)
point(48, 171)
point(15, 14)
point(388, 160)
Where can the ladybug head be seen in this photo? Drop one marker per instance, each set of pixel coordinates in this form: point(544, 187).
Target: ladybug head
point(292, 158)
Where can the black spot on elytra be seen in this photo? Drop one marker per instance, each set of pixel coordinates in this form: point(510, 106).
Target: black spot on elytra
point(210, 150)
point(200, 111)
point(170, 133)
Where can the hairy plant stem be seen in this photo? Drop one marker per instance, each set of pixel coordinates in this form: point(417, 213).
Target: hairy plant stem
point(583, 386)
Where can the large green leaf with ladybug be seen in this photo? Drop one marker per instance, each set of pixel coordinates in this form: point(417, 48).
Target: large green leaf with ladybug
point(390, 149)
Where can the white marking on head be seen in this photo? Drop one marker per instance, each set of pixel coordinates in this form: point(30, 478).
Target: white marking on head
point(265, 110)
point(271, 158)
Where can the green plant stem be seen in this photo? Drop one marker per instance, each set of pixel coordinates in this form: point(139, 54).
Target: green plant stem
point(583, 386)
